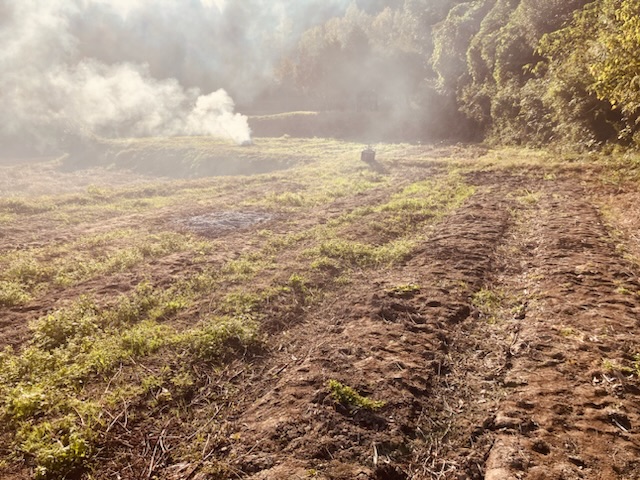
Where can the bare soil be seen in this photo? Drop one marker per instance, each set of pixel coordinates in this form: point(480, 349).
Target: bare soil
point(526, 389)
point(526, 397)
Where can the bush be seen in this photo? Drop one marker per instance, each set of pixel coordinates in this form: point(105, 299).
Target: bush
point(12, 294)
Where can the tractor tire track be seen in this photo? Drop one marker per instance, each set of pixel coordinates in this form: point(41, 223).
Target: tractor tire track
point(570, 407)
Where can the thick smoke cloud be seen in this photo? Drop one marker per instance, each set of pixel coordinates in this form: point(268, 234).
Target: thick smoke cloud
point(141, 67)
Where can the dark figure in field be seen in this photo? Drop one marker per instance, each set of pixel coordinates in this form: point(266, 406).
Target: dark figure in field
point(368, 156)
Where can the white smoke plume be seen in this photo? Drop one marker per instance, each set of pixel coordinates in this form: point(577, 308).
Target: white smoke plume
point(139, 67)
point(51, 83)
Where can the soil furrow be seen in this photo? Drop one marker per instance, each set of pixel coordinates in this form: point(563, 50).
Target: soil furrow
point(570, 408)
point(394, 346)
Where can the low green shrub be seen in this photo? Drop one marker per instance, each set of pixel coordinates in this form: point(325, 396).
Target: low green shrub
point(12, 294)
point(56, 329)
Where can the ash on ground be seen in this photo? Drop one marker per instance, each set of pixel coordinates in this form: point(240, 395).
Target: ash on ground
point(221, 223)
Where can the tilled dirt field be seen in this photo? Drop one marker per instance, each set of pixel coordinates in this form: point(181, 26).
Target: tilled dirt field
point(524, 397)
point(504, 345)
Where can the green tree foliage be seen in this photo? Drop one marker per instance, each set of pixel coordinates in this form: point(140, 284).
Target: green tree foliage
point(520, 71)
point(616, 68)
point(595, 58)
point(500, 92)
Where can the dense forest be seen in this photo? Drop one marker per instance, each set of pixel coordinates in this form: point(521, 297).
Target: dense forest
point(528, 72)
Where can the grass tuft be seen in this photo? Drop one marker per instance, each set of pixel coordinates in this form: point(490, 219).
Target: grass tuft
point(348, 397)
point(219, 337)
point(12, 294)
point(357, 254)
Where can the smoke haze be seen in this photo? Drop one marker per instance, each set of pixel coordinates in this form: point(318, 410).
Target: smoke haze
point(140, 67)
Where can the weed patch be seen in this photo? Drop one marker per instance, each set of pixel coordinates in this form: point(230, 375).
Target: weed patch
point(527, 197)
point(79, 345)
point(58, 448)
point(356, 254)
point(30, 272)
point(632, 369)
point(219, 337)
point(406, 290)
point(350, 398)
point(488, 302)
point(12, 294)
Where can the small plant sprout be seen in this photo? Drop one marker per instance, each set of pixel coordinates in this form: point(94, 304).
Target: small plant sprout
point(613, 366)
point(348, 397)
point(405, 290)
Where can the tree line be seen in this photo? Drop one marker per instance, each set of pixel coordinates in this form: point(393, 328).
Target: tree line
point(528, 72)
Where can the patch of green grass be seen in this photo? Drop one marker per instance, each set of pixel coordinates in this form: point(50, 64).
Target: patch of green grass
point(276, 243)
point(424, 201)
point(404, 290)
point(146, 302)
point(202, 283)
point(245, 267)
point(357, 254)
point(517, 158)
point(56, 329)
point(288, 199)
point(7, 217)
point(27, 270)
point(619, 169)
point(297, 282)
point(355, 215)
point(488, 302)
point(241, 302)
point(12, 294)
point(613, 366)
point(528, 197)
point(24, 206)
point(398, 219)
point(329, 170)
point(325, 263)
point(84, 320)
point(622, 290)
point(33, 271)
point(350, 398)
point(568, 332)
point(219, 336)
point(43, 383)
point(431, 196)
point(58, 447)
